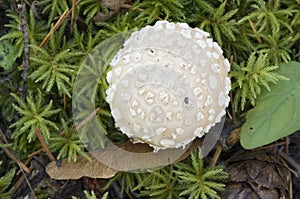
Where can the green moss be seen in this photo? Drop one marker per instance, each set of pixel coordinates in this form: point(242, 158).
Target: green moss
point(257, 34)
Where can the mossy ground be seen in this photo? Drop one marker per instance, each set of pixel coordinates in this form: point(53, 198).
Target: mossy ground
point(253, 34)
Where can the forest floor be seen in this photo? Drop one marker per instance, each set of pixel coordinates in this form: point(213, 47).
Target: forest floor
point(270, 171)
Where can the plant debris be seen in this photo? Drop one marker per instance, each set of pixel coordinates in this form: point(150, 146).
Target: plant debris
point(257, 174)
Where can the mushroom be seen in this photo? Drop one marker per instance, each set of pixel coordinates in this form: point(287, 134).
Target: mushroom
point(168, 85)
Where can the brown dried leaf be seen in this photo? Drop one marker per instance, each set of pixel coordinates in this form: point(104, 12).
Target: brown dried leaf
point(82, 167)
point(264, 174)
point(113, 4)
point(265, 192)
point(103, 16)
point(96, 169)
point(145, 155)
point(239, 191)
point(257, 174)
point(238, 172)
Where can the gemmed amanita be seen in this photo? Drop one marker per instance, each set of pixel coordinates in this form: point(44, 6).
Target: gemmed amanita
point(168, 85)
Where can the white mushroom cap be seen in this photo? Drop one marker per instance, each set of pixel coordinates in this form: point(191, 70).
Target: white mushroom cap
point(168, 85)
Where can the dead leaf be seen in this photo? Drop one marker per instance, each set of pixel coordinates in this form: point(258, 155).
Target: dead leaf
point(265, 192)
point(82, 167)
point(238, 172)
point(264, 174)
point(97, 169)
point(139, 157)
point(257, 174)
point(240, 191)
point(113, 4)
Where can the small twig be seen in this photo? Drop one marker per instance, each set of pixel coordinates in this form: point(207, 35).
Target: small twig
point(24, 29)
point(2, 136)
point(20, 181)
point(286, 146)
point(73, 15)
point(291, 161)
point(83, 122)
point(28, 183)
point(21, 165)
point(54, 28)
point(127, 193)
point(216, 156)
point(231, 96)
point(290, 186)
point(270, 146)
point(61, 19)
point(259, 40)
point(12, 156)
point(44, 145)
point(232, 108)
point(35, 153)
point(65, 101)
point(87, 119)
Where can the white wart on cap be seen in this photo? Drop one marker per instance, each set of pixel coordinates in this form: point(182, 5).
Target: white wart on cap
point(168, 85)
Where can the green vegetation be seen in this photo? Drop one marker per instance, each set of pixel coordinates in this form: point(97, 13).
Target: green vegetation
point(280, 120)
point(5, 182)
point(196, 181)
point(188, 179)
point(248, 79)
point(259, 37)
point(35, 114)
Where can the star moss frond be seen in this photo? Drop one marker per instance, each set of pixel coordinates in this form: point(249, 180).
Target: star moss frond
point(35, 113)
point(215, 19)
point(198, 181)
point(270, 16)
point(188, 179)
point(220, 24)
point(53, 8)
point(160, 184)
point(277, 46)
point(86, 41)
point(248, 78)
point(90, 8)
point(55, 65)
point(68, 145)
point(153, 10)
point(128, 181)
point(122, 24)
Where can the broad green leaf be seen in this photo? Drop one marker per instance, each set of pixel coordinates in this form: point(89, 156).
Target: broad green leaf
point(277, 113)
